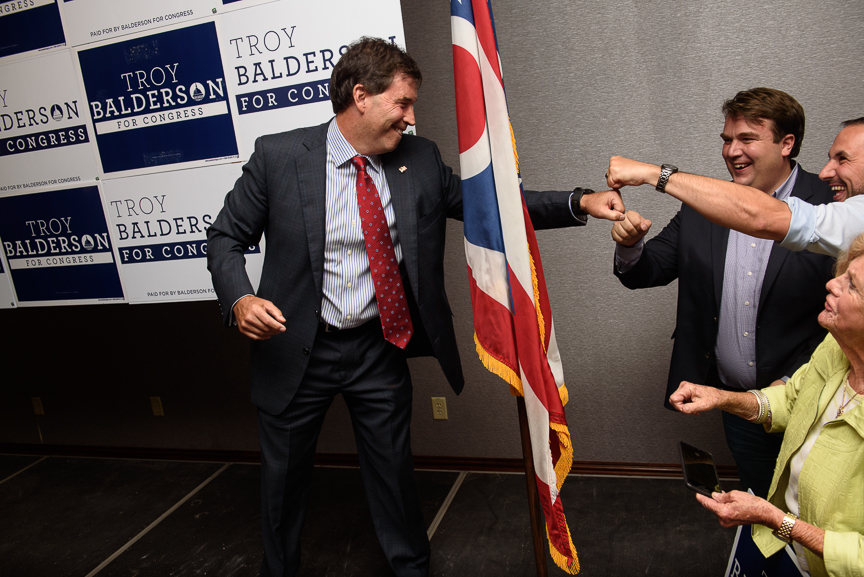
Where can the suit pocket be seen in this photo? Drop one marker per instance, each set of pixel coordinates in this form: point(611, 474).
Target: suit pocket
point(431, 217)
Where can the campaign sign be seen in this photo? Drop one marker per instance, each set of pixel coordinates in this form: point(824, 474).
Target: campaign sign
point(278, 58)
point(747, 560)
point(94, 20)
point(7, 297)
point(58, 248)
point(29, 25)
point(159, 101)
point(44, 135)
point(237, 4)
point(159, 225)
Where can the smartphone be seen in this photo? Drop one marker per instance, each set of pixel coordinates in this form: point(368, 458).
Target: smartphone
point(700, 474)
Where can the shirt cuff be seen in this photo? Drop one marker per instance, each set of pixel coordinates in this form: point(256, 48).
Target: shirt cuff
point(626, 257)
point(802, 225)
point(231, 318)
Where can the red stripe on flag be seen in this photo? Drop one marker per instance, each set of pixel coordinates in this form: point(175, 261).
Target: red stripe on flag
point(493, 325)
point(470, 110)
point(556, 524)
point(532, 358)
point(486, 34)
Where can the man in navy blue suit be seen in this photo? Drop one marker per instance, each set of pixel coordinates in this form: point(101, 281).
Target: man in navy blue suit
point(746, 308)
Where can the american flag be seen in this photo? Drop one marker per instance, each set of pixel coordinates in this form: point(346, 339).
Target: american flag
point(513, 327)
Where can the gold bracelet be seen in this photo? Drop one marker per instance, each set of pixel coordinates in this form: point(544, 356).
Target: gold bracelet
point(784, 531)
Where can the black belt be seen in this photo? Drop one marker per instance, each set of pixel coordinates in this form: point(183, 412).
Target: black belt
point(328, 328)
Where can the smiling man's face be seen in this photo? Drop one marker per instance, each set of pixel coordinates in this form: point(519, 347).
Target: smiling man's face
point(752, 157)
point(845, 168)
point(387, 115)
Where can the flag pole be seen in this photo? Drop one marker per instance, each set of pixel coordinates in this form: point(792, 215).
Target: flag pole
point(533, 497)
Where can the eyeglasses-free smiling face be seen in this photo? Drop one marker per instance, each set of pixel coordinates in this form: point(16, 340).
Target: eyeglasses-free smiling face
point(845, 168)
point(751, 155)
point(388, 114)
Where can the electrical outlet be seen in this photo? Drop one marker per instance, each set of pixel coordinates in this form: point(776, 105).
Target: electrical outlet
point(439, 408)
point(37, 406)
point(156, 405)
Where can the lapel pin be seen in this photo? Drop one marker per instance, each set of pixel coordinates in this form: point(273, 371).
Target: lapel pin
point(403, 168)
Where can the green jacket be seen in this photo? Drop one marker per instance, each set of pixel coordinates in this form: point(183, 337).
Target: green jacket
point(831, 484)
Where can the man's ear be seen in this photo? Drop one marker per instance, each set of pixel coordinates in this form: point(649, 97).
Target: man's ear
point(360, 97)
point(786, 144)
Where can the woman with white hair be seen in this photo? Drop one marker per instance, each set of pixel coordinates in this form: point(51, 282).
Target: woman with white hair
point(816, 499)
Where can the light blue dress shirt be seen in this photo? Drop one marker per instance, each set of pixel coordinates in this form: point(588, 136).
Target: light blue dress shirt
point(349, 294)
point(825, 228)
point(746, 260)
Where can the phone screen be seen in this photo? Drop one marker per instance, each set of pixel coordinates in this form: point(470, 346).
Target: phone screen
point(700, 474)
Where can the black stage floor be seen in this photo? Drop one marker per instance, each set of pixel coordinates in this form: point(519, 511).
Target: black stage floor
point(80, 517)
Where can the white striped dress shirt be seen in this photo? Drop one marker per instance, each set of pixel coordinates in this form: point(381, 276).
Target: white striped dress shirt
point(746, 260)
point(349, 295)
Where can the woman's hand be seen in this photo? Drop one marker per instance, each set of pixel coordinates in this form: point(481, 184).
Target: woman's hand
point(693, 399)
point(739, 508)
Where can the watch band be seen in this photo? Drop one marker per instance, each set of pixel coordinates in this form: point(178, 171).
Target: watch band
point(576, 200)
point(666, 171)
point(784, 531)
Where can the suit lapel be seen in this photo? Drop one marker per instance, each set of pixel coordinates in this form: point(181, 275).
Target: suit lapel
point(402, 193)
point(803, 189)
point(312, 185)
point(719, 242)
point(772, 269)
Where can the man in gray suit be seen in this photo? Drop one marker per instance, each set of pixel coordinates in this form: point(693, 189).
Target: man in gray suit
point(321, 323)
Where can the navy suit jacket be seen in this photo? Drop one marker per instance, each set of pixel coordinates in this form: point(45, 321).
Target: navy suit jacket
point(693, 250)
point(281, 194)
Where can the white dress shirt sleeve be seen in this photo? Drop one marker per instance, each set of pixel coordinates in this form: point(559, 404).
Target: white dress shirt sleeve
point(825, 228)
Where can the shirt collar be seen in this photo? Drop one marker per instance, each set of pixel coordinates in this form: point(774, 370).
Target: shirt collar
point(785, 189)
point(340, 150)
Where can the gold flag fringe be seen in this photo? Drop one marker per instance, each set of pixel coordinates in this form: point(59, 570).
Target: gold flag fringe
point(494, 365)
point(540, 320)
point(565, 460)
point(513, 139)
point(566, 564)
point(562, 392)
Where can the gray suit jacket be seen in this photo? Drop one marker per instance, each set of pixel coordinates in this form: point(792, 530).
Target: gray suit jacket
point(281, 194)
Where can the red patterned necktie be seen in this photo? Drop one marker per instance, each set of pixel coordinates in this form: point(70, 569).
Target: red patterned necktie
point(389, 290)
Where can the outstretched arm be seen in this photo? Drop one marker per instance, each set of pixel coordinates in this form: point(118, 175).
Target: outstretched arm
point(734, 206)
point(693, 399)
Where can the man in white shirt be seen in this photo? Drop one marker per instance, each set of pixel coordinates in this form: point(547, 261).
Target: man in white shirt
point(796, 225)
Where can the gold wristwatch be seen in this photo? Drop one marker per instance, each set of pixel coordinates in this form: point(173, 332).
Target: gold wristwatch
point(784, 531)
